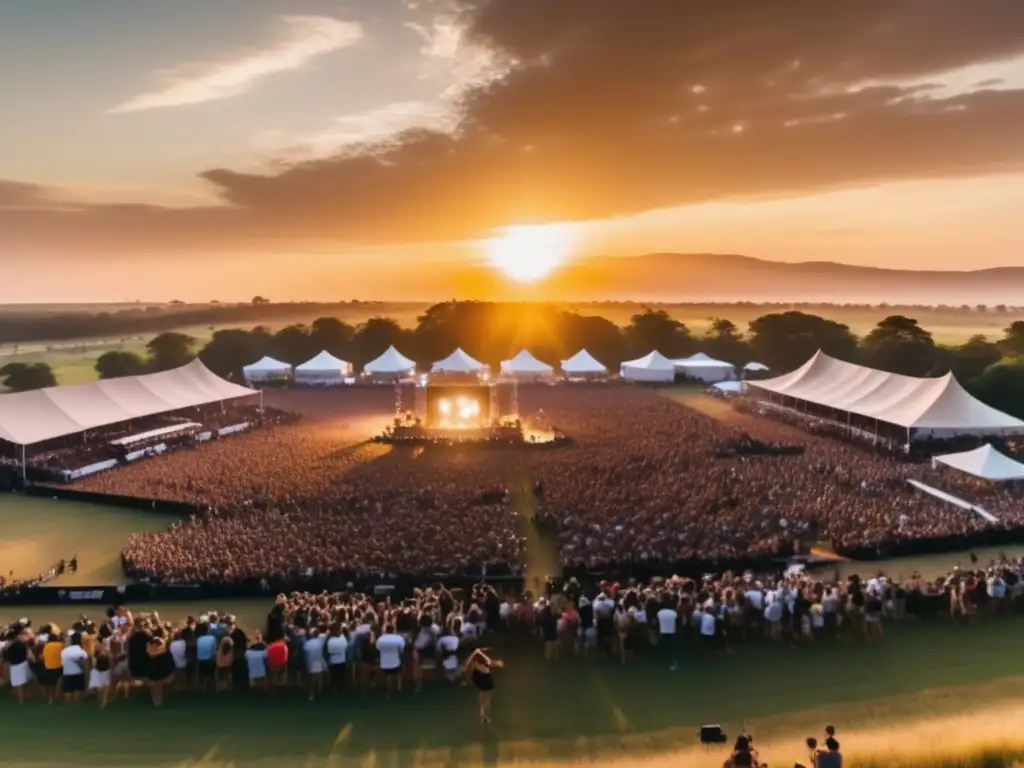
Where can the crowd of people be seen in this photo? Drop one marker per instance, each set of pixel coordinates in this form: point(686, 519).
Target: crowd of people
point(327, 644)
point(643, 481)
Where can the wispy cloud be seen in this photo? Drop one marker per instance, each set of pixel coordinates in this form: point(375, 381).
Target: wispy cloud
point(306, 38)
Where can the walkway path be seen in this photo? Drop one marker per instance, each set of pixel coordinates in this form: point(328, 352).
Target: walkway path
point(541, 548)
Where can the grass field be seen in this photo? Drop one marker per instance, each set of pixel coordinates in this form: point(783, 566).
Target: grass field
point(36, 533)
point(73, 361)
point(877, 696)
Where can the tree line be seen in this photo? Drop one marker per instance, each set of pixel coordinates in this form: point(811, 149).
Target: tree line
point(993, 369)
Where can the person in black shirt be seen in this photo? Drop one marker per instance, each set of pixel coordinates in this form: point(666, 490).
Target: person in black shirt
point(138, 653)
point(18, 657)
point(239, 670)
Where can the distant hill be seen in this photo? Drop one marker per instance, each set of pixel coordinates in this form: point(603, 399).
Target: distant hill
point(710, 277)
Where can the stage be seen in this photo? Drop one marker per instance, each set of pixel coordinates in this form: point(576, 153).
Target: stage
point(496, 435)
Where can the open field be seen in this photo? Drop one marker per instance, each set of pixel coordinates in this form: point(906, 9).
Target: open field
point(36, 533)
point(891, 699)
point(73, 360)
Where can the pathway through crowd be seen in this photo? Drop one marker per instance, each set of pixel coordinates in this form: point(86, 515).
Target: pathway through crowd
point(541, 547)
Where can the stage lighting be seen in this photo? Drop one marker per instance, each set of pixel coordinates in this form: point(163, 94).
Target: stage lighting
point(444, 406)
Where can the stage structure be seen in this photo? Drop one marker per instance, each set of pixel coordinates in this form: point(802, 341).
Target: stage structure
point(457, 407)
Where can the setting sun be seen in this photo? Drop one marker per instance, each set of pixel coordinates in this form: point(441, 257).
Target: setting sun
point(528, 253)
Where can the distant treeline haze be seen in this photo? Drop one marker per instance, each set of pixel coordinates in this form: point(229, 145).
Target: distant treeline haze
point(993, 369)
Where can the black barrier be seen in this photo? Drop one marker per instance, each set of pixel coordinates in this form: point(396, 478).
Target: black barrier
point(990, 537)
point(181, 509)
point(400, 588)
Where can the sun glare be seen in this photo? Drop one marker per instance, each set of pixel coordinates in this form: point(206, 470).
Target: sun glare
point(528, 253)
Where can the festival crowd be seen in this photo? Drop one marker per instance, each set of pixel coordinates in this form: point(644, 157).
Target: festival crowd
point(644, 480)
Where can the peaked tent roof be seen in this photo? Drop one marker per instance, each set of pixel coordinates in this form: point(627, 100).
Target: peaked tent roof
point(985, 462)
point(696, 358)
point(525, 362)
point(43, 414)
point(325, 361)
point(583, 362)
point(266, 364)
point(392, 361)
point(458, 362)
point(755, 366)
point(907, 401)
point(654, 361)
point(702, 362)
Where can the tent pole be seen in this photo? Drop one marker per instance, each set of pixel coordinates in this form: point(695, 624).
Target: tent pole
point(24, 469)
point(261, 401)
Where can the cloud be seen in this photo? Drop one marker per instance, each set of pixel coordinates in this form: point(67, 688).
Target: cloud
point(629, 107)
point(306, 38)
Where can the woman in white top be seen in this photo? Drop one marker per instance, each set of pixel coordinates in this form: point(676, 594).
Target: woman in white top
point(316, 662)
point(623, 629)
point(179, 652)
point(337, 657)
point(424, 649)
point(448, 646)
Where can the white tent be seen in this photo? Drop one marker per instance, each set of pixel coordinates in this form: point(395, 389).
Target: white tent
point(938, 407)
point(730, 387)
point(391, 364)
point(756, 367)
point(984, 462)
point(43, 414)
point(526, 366)
point(459, 362)
point(651, 367)
point(704, 368)
point(583, 364)
point(266, 369)
point(325, 369)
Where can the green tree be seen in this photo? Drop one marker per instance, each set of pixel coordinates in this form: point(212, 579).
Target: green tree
point(292, 344)
point(21, 377)
point(376, 335)
point(971, 359)
point(232, 348)
point(900, 345)
point(723, 341)
point(656, 329)
point(116, 363)
point(786, 340)
point(1012, 342)
point(332, 334)
point(1002, 387)
point(170, 350)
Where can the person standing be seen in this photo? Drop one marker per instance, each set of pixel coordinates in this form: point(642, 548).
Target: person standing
point(391, 646)
point(74, 659)
point(668, 629)
point(480, 667)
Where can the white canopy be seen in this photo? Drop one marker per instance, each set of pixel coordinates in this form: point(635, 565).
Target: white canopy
point(583, 363)
point(653, 366)
point(705, 368)
point(392, 362)
point(937, 406)
point(43, 414)
point(984, 462)
point(459, 362)
point(754, 366)
point(265, 369)
point(324, 368)
point(730, 387)
point(525, 364)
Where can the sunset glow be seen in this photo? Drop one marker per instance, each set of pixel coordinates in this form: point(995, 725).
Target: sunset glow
point(528, 253)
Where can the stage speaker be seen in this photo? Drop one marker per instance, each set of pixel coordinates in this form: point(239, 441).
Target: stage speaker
point(712, 734)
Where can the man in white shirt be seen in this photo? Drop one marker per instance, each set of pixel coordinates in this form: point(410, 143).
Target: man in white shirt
point(707, 626)
point(448, 645)
point(668, 621)
point(391, 646)
point(337, 659)
point(73, 661)
point(316, 662)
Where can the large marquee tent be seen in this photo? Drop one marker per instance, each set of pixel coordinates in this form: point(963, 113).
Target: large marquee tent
point(324, 369)
point(44, 414)
point(938, 407)
point(984, 462)
point(583, 364)
point(391, 363)
point(459, 362)
point(266, 369)
point(652, 367)
point(526, 366)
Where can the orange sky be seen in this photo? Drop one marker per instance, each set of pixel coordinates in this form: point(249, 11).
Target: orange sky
point(224, 150)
